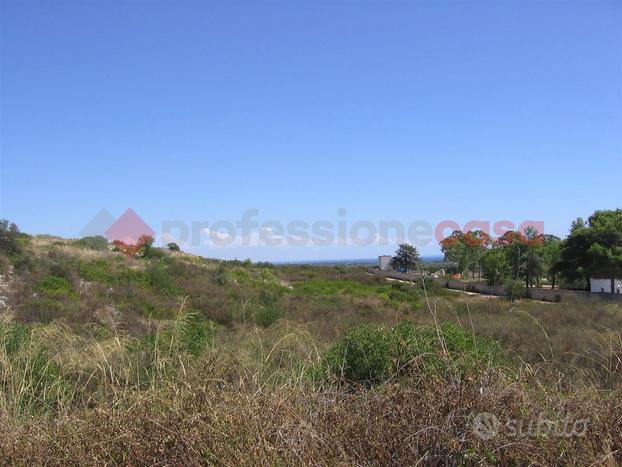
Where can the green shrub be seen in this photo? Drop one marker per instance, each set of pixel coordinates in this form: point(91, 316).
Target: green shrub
point(148, 251)
point(268, 315)
point(160, 279)
point(175, 268)
point(134, 276)
point(187, 335)
point(219, 276)
point(98, 270)
point(240, 275)
point(9, 233)
point(373, 354)
point(197, 335)
point(332, 287)
point(96, 242)
point(54, 287)
point(400, 292)
point(393, 292)
point(44, 309)
point(151, 252)
point(144, 307)
point(64, 267)
point(173, 246)
point(515, 289)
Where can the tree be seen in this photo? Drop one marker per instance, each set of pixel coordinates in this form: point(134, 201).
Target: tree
point(453, 249)
point(142, 249)
point(9, 233)
point(406, 257)
point(173, 246)
point(550, 256)
point(523, 253)
point(573, 254)
point(466, 249)
point(495, 266)
point(605, 251)
point(533, 266)
point(593, 248)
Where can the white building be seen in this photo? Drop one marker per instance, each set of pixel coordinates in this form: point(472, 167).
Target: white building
point(384, 262)
point(604, 285)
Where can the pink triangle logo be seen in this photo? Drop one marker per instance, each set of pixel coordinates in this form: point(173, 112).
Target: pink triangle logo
point(128, 228)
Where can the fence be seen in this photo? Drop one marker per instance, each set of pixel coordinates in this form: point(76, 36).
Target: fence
point(535, 293)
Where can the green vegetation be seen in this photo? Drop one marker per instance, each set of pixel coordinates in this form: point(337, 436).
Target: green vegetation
point(169, 358)
point(173, 246)
point(374, 354)
point(9, 237)
point(97, 243)
point(53, 286)
point(406, 258)
point(394, 294)
point(592, 249)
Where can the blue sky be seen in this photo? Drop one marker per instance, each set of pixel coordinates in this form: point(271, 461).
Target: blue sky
point(197, 111)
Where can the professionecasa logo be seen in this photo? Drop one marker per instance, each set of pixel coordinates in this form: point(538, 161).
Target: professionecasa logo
point(127, 228)
point(250, 230)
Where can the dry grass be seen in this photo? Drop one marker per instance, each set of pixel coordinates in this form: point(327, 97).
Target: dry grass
point(208, 420)
point(246, 401)
point(73, 392)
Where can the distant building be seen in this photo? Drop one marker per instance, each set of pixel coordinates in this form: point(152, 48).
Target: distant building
point(604, 285)
point(384, 262)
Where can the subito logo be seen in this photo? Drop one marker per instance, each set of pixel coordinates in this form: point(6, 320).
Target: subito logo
point(486, 426)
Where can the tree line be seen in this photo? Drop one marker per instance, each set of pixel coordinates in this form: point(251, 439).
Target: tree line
point(593, 248)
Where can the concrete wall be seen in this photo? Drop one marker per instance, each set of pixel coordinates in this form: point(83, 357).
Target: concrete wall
point(477, 287)
point(403, 276)
point(604, 285)
point(545, 295)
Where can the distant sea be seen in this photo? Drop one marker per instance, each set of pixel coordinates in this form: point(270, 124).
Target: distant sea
point(354, 261)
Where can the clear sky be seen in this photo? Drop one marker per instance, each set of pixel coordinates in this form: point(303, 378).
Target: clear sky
point(197, 111)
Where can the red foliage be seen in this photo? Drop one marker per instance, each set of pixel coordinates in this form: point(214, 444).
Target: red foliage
point(511, 237)
point(472, 239)
point(454, 239)
point(477, 238)
point(132, 249)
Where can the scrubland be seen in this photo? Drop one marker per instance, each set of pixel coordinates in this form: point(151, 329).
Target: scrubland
point(176, 359)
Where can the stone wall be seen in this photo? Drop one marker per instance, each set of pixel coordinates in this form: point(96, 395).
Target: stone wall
point(535, 293)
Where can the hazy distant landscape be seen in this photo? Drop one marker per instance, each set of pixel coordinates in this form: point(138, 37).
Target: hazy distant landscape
point(361, 261)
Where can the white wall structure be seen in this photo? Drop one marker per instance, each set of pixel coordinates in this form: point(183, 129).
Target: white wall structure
point(384, 263)
point(604, 285)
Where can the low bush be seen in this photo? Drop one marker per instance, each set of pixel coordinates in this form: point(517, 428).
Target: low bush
point(97, 271)
point(9, 234)
point(96, 242)
point(373, 354)
point(268, 315)
point(55, 287)
point(134, 277)
point(187, 334)
point(516, 289)
point(160, 279)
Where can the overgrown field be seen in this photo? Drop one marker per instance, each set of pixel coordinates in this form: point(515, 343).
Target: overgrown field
point(175, 359)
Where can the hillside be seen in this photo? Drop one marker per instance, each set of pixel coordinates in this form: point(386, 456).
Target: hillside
point(176, 359)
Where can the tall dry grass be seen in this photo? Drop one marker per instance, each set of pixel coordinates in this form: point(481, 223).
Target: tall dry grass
point(106, 397)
